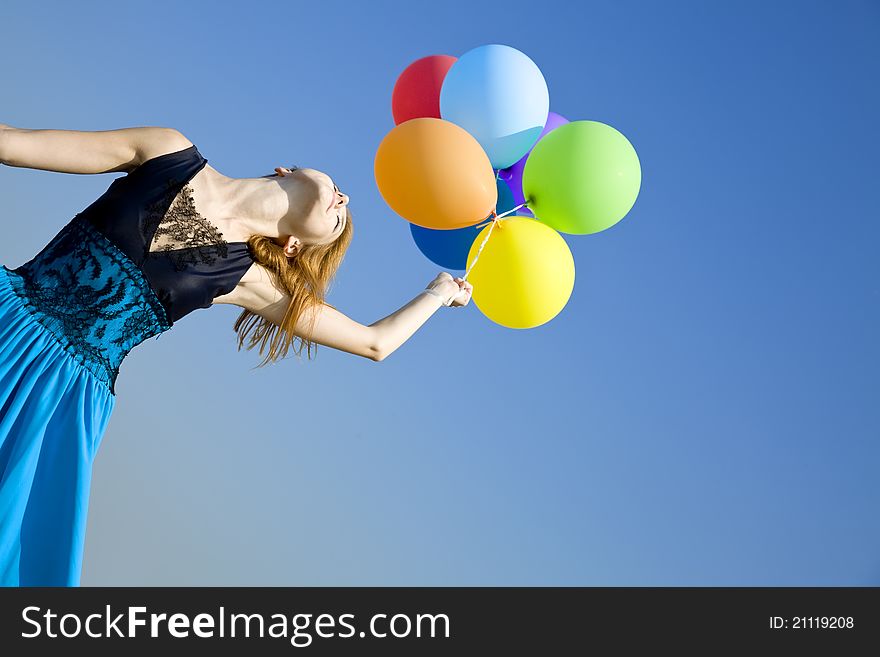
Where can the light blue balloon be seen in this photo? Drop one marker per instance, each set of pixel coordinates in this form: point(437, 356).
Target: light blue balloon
point(500, 97)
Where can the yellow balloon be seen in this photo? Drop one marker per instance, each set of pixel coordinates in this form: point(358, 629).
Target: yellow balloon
point(524, 275)
point(434, 174)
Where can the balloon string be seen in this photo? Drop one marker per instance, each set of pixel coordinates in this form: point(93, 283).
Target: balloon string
point(496, 219)
point(503, 214)
point(477, 257)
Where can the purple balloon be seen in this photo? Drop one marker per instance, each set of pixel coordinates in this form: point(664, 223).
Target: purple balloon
point(512, 175)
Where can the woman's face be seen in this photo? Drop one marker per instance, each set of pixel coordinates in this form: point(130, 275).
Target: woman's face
point(318, 208)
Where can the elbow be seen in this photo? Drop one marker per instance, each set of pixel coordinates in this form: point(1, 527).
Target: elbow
point(377, 352)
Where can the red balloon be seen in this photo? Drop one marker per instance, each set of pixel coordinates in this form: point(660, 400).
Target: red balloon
point(416, 93)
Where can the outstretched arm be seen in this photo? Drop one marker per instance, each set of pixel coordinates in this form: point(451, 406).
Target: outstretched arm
point(80, 151)
point(375, 341)
point(399, 326)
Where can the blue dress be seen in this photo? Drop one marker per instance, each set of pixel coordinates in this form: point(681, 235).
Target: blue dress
point(122, 271)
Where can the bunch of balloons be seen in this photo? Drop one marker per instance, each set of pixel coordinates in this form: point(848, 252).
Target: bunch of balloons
point(474, 139)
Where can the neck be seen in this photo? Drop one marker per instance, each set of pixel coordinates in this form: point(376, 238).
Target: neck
point(257, 206)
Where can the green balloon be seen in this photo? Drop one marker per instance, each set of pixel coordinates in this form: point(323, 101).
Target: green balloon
point(581, 177)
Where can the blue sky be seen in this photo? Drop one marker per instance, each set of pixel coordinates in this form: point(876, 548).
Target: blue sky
point(704, 411)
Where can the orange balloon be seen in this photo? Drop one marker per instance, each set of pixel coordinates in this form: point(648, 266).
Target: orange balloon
point(434, 174)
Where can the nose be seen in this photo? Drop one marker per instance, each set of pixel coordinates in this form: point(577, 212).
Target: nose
point(341, 199)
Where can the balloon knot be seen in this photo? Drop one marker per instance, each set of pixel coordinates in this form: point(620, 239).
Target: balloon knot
point(494, 220)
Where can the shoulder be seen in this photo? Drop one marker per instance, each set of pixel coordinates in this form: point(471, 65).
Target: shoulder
point(159, 142)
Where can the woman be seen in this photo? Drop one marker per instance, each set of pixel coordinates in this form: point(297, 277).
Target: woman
point(171, 236)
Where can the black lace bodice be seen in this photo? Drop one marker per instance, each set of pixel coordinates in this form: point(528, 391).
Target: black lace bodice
point(150, 214)
point(130, 265)
point(179, 232)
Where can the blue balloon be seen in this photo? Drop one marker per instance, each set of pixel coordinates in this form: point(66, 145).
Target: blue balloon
point(500, 97)
point(447, 248)
point(450, 248)
point(505, 200)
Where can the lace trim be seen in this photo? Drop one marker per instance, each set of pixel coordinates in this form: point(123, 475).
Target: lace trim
point(179, 233)
point(129, 267)
point(81, 313)
point(94, 363)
